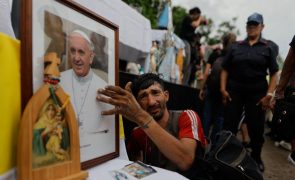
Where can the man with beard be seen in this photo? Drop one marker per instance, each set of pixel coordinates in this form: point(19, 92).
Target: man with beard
point(166, 139)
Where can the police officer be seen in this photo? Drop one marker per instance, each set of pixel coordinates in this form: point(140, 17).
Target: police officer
point(244, 84)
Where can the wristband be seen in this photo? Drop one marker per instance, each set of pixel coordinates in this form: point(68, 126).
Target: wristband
point(269, 94)
point(145, 126)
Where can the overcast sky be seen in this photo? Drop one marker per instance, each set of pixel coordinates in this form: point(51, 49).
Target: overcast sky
point(279, 16)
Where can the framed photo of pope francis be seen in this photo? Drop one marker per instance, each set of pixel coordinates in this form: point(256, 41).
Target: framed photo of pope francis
point(86, 46)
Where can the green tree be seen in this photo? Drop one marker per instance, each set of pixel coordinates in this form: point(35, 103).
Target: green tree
point(213, 36)
point(178, 13)
point(148, 8)
point(210, 34)
point(151, 9)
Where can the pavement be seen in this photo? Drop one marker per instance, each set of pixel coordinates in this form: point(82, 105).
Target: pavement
point(275, 160)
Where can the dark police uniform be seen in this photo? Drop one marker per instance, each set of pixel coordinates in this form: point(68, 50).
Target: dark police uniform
point(247, 68)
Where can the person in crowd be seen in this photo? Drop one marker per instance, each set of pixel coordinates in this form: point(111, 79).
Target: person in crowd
point(210, 91)
point(190, 23)
point(166, 139)
point(80, 82)
point(244, 130)
point(244, 84)
point(192, 43)
point(287, 78)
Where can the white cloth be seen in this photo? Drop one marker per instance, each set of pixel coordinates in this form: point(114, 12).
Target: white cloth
point(132, 68)
point(9, 175)
point(123, 152)
point(133, 46)
point(160, 35)
point(168, 62)
point(103, 171)
point(94, 140)
point(5, 18)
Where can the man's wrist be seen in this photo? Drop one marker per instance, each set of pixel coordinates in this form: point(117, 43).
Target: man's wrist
point(270, 94)
point(222, 90)
point(146, 124)
point(143, 118)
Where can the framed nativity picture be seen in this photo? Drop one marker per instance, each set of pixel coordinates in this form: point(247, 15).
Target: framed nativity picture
point(83, 47)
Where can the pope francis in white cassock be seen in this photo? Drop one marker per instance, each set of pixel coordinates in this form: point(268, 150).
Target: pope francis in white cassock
point(81, 83)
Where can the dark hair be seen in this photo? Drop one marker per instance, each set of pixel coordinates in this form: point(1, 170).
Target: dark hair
point(228, 39)
point(144, 81)
point(195, 10)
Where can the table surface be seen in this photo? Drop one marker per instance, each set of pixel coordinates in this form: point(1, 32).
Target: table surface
point(103, 171)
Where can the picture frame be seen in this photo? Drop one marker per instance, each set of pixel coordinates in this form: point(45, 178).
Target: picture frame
point(46, 27)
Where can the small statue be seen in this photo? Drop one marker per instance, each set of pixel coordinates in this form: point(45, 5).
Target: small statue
point(154, 57)
point(48, 133)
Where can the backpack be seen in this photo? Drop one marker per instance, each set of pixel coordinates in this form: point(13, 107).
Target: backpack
point(228, 159)
point(213, 81)
point(283, 124)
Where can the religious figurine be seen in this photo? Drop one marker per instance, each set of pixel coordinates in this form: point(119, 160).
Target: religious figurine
point(154, 57)
point(48, 137)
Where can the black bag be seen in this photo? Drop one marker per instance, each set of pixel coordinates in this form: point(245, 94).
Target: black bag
point(228, 159)
point(290, 94)
point(283, 121)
